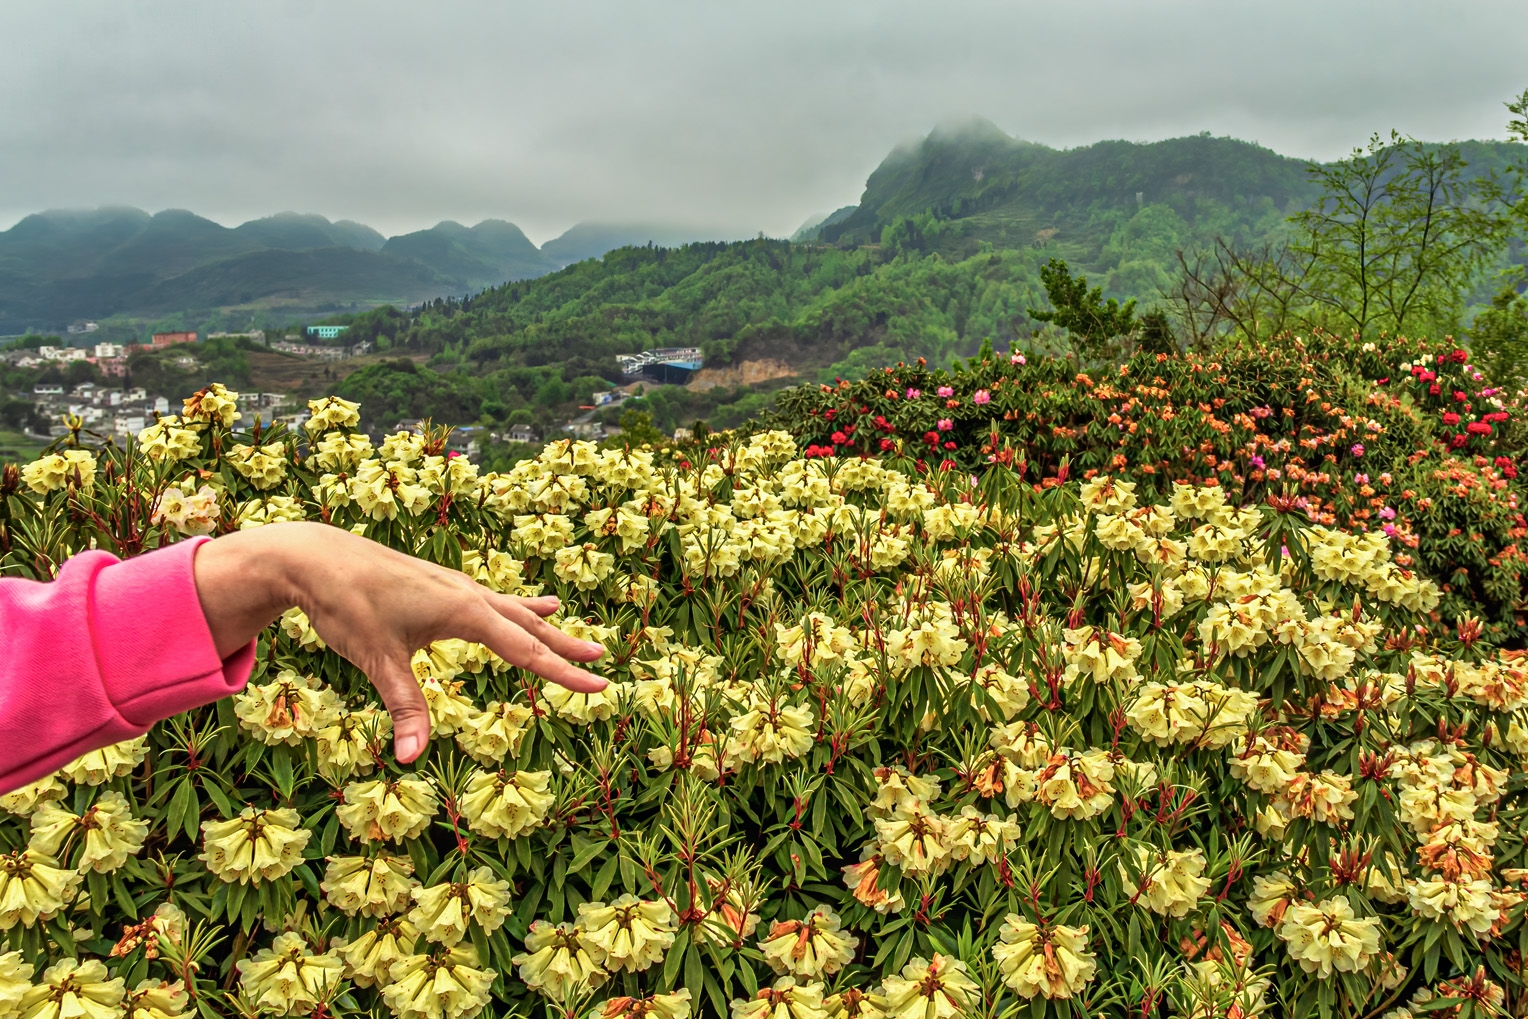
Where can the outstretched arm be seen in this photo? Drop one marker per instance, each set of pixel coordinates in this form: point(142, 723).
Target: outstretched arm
point(376, 607)
point(110, 647)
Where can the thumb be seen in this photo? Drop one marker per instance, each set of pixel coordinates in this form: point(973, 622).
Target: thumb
point(405, 703)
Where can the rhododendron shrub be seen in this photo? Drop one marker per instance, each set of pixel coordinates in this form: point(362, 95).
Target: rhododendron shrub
point(1404, 437)
point(878, 742)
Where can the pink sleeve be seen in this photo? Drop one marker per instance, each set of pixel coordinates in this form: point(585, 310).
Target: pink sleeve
point(102, 653)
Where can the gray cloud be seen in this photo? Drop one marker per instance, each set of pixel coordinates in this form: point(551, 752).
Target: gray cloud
point(743, 116)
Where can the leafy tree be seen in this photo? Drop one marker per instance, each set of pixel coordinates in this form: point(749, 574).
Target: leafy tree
point(1082, 312)
point(1499, 335)
point(1397, 240)
point(636, 429)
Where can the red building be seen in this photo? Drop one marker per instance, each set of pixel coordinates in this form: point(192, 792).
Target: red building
point(162, 340)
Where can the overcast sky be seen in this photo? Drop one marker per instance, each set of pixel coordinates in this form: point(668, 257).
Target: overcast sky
point(722, 114)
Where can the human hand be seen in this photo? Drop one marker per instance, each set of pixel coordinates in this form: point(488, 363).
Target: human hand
point(376, 607)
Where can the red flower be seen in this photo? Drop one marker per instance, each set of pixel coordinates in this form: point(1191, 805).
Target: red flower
point(1450, 418)
point(1461, 356)
point(1434, 389)
point(1459, 397)
point(840, 438)
point(1478, 428)
point(1458, 441)
point(951, 445)
point(886, 444)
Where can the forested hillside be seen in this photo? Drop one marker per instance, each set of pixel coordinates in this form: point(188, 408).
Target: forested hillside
point(541, 343)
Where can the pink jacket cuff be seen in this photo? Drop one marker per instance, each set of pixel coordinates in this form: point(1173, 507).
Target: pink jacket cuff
point(102, 653)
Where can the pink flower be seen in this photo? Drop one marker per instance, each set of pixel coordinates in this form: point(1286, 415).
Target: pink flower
point(946, 391)
point(913, 394)
point(1389, 529)
point(1358, 449)
point(1017, 359)
point(982, 396)
point(1387, 513)
point(945, 424)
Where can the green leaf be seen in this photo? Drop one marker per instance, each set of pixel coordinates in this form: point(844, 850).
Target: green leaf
point(604, 877)
point(675, 957)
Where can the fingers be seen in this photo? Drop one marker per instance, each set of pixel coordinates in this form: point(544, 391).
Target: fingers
point(518, 647)
point(542, 606)
point(529, 619)
point(405, 702)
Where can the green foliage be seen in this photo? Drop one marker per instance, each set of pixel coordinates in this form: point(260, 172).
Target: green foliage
point(1351, 429)
point(1499, 336)
point(1082, 312)
point(939, 732)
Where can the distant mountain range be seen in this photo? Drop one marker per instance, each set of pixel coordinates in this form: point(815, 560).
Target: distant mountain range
point(1120, 210)
point(62, 266)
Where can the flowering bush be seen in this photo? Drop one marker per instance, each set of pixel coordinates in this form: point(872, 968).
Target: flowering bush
point(1399, 436)
point(878, 743)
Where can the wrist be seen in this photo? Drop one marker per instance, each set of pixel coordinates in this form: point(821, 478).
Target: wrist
point(247, 579)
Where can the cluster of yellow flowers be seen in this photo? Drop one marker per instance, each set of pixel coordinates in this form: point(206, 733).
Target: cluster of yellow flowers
point(1077, 733)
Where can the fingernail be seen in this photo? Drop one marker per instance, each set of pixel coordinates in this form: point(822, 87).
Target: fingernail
point(407, 747)
point(598, 649)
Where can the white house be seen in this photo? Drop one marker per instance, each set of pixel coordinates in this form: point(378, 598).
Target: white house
point(108, 350)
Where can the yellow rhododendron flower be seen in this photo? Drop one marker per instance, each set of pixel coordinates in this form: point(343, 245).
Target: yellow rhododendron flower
point(15, 981)
point(1170, 883)
point(330, 413)
point(442, 912)
point(387, 809)
point(1053, 961)
point(264, 466)
point(937, 989)
point(188, 514)
point(212, 405)
point(448, 984)
point(978, 838)
point(74, 989)
point(288, 709)
point(558, 960)
point(371, 887)
point(1325, 936)
point(157, 999)
point(73, 468)
point(769, 731)
point(913, 838)
point(167, 440)
point(33, 887)
point(101, 766)
point(495, 733)
point(350, 743)
point(288, 978)
point(656, 1006)
point(33, 795)
point(369, 959)
point(110, 832)
point(506, 804)
point(630, 933)
point(814, 947)
point(784, 999)
point(258, 845)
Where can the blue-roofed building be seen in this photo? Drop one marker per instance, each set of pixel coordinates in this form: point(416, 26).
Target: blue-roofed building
point(669, 365)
